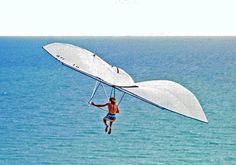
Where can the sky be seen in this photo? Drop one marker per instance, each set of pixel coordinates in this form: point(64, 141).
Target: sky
point(117, 17)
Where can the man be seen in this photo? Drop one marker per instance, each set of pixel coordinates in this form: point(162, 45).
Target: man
point(112, 110)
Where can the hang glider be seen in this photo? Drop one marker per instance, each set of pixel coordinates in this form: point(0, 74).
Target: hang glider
point(164, 94)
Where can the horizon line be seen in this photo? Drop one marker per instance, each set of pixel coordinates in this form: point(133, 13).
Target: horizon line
point(117, 35)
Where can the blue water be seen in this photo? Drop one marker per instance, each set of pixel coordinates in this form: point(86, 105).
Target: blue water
point(44, 118)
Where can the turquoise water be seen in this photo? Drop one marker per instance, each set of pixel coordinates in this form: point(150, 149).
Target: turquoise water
point(44, 118)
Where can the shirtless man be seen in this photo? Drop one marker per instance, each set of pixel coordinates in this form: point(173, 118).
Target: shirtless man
point(112, 110)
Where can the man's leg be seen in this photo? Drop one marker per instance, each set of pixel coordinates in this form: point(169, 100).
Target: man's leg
point(105, 122)
point(109, 132)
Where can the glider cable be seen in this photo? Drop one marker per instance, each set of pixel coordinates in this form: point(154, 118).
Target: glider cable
point(97, 84)
point(111, 92)
point(105, 92)
point(121, 99)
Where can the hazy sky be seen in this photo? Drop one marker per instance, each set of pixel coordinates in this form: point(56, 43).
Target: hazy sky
point(117, 17)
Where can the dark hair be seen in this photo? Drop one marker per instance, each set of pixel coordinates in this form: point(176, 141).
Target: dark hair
point(112, 98)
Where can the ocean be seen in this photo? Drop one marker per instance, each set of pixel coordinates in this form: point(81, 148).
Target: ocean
point(45, 119)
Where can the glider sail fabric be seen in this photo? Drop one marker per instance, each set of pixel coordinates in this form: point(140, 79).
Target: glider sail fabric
point(161, 93)
point(171, 96)
point(88, 63)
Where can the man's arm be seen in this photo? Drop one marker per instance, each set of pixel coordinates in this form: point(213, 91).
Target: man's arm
point(118, 110)
point(99, 105)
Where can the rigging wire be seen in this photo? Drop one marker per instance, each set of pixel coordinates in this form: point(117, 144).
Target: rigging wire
point(97, 84)
point(105, 92)
point(113, 92)
point(121, 99)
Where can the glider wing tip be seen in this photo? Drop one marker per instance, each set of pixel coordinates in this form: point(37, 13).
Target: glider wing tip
point(44, 47)
point(204, 120)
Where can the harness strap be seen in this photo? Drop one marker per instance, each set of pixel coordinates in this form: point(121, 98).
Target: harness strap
point(111, 92)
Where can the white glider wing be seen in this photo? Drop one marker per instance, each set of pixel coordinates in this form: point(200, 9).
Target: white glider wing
point(169, 95)
point(161, 93)
point(89, 63)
